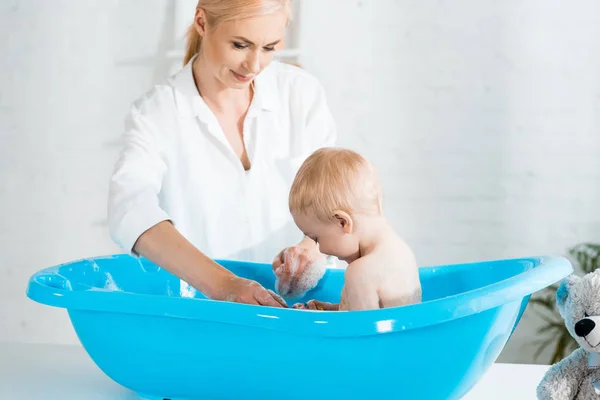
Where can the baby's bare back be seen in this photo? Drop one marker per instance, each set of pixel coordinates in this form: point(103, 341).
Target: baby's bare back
point(398, 279)
point(391, 271)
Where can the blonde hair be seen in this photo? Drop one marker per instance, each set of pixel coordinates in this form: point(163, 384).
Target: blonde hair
point(335, 179)
point(218, 11)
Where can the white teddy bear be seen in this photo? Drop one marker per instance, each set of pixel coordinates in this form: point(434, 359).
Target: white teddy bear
point(577, 376)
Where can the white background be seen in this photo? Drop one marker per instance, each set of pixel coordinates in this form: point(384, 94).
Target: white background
point(482, 116)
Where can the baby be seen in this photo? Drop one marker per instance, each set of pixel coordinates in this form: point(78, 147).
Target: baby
point(336, 200)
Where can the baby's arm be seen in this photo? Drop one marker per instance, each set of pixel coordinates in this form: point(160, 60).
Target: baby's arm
point(360, 291)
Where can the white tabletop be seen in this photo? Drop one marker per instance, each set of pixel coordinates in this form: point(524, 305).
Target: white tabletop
point(53, 372)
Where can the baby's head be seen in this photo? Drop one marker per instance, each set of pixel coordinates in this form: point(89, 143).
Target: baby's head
point(333, 189)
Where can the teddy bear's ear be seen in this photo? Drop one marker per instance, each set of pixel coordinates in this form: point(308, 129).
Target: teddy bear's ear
point(562, 293)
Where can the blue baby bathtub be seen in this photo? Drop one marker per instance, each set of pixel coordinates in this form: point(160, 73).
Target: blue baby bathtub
point(153, 334)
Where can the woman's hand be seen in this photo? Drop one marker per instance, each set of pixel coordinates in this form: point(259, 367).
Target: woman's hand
point(292, 260)
point(241, 290)
point(166, 247)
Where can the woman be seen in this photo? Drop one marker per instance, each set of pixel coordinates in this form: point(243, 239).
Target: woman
point(210, 154)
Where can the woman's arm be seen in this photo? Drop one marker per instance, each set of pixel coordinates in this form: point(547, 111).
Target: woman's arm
point(165, 246)
point(139, 225)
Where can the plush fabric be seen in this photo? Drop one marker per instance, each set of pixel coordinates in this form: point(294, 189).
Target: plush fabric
point(577, 376)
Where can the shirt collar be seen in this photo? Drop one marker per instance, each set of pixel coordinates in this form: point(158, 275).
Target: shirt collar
point(190, 102)
point(265, 90)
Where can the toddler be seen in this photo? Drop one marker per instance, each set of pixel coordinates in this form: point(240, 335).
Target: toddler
point(336, 200)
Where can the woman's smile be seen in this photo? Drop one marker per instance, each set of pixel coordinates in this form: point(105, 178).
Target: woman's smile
point(242, 78)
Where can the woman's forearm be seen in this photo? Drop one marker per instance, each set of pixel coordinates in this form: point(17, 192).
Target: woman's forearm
point(166, 247)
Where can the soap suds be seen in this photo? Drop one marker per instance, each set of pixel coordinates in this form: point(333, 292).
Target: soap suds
point(298, 286)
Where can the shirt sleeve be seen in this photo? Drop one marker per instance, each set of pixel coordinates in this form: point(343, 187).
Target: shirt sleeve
point(133, 205)
point(315, 124)
point(319, 123)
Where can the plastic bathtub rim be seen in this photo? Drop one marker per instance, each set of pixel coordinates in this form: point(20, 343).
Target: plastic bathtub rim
point(545, 271)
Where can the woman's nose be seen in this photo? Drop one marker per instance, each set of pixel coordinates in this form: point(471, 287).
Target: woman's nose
point(253, 62)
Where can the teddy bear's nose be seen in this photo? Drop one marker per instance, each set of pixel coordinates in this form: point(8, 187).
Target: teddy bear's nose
point(584, 327)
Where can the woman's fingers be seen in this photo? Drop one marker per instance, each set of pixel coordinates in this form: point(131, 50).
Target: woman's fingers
point(264, 298)
point(277, 262)
point(277, 297)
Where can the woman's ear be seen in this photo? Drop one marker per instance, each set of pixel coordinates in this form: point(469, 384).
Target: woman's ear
point(200, 21)
point(344, 221)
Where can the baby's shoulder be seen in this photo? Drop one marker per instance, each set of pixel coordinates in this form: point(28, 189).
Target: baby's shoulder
point(399, 251)
point(364, 269)
point(358, 267)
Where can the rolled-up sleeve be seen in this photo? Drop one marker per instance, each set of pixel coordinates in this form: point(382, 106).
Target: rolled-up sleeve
point(135, 184)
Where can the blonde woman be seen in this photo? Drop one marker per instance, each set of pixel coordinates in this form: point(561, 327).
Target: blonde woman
point(210, 154)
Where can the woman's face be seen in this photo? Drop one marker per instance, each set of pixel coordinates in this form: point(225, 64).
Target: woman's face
point(236, 51)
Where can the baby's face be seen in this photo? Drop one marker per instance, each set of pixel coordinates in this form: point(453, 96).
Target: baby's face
point(333, 237)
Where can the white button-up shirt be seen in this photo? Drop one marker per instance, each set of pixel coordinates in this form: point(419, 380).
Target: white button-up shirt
point(176, 164)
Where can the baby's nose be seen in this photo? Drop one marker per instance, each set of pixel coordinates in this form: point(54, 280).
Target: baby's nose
point(584, 327)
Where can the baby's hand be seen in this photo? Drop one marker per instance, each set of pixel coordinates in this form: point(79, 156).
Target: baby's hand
point(316, 305)
point(322, 305)
point(298, 271)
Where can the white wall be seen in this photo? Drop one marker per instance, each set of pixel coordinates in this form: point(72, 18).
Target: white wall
point(68, 71)
point(482, 117)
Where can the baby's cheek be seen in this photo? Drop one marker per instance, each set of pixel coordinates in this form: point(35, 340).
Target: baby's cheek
point(328, 247)
point(323, 248)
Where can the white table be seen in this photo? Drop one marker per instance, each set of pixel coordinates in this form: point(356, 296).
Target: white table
point(59, 372)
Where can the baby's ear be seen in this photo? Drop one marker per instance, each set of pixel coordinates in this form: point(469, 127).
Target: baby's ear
point(562, 293)
point(344, 220)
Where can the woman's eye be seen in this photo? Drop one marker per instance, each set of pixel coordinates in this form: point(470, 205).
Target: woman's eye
point(269, 48)
point(239, 46)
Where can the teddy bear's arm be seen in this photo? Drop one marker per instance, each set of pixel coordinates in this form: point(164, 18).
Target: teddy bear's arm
point(562, 380)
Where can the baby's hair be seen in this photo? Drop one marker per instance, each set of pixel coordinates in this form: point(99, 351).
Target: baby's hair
point(332, 179)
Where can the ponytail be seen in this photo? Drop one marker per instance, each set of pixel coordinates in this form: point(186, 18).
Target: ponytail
point(193, 42)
